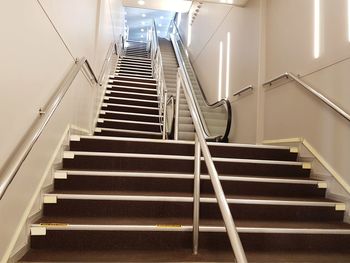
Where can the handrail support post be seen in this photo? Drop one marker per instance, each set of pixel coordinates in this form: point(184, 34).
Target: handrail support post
point(196, 194)
point(177, 108)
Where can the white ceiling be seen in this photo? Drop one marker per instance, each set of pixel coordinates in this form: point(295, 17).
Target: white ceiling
point(140, 20)
point(181, 6)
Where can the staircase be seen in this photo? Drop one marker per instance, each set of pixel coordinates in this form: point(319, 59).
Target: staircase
point(137, 49)
point(124, 195)
point(170, 67)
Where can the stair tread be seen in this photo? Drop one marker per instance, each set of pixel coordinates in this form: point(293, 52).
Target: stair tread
point(188, 221)
point(181, 255)
point(161, 193)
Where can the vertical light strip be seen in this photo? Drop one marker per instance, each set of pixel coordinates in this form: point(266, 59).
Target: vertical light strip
point(220, 72)
point(228, 60)
point(189, 33)
point(349, 20)
point(178, 19)
point(316, 28)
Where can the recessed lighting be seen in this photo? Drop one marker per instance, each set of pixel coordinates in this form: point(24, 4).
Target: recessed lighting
point(162, 17)
point(141, 36)
point(158, 32)
point(143, 23)
point(143, 15)
point(141, 2)
point(160, 25)
point(142, 30)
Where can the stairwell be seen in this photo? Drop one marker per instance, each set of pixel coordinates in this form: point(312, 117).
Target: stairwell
point(124, 195)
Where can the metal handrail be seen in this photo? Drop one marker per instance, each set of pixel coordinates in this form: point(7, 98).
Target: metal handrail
point(201, 143)
point(16, 159)
point(167, 100)
point(239, 92)
point(217, 104)
point(328, 102)
point(113, 49)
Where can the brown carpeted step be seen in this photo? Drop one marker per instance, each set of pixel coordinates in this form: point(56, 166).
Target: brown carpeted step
point(130, 117)
point(116, 78)
point(132, 95)
point(129, 125)
point(136, 102)
point(216, 150)
point(210, 211)
point(128, 134)
point(181, 164)
point(132, 84)
point(128, 108)
point(132, 63)
point(175, 186)
point(132, 89)
point(123, 74)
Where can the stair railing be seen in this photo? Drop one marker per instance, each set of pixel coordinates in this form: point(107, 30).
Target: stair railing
point(179, 48)
point(19, 155)
point(202, 146)
point(158, 73)
point(324, 99)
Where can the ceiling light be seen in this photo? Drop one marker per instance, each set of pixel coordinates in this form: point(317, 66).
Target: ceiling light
point(162, 17)
point(142, 30)
point(158, 32)
point(143, 23)
point(141, 2)
point(160, 25)
point(143, 15)
point(141, 36)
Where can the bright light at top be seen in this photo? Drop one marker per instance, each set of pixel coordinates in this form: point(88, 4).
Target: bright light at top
point(160, 25)
point(143, 23)
point(142, 30)
point(143, 15)
point(162, 17)
point(141, 2)
point(141, 36)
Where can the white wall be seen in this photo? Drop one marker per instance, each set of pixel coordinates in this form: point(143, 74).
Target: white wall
point(269, 38)
point(291, 111)
point(35, 58)
point(211, 26)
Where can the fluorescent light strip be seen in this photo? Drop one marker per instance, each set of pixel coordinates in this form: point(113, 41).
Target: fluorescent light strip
point(228, 60)
point(349, 20)
point(220, 71)
point(316, 29)
point(189, 34)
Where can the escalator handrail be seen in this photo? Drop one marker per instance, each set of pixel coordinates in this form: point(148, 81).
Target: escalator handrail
point(216, 104)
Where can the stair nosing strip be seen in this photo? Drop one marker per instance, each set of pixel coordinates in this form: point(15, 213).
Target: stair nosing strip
point(131, 93)
point(191, 176)
point(104, 104)
point(189, 199)
point(189, 228)
point(134, 69)
point(130, 99)
point(100, 129)
point(130, 113)
point(136, 88)
point(101, 120)
point(114, 76)
point(133, 82)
